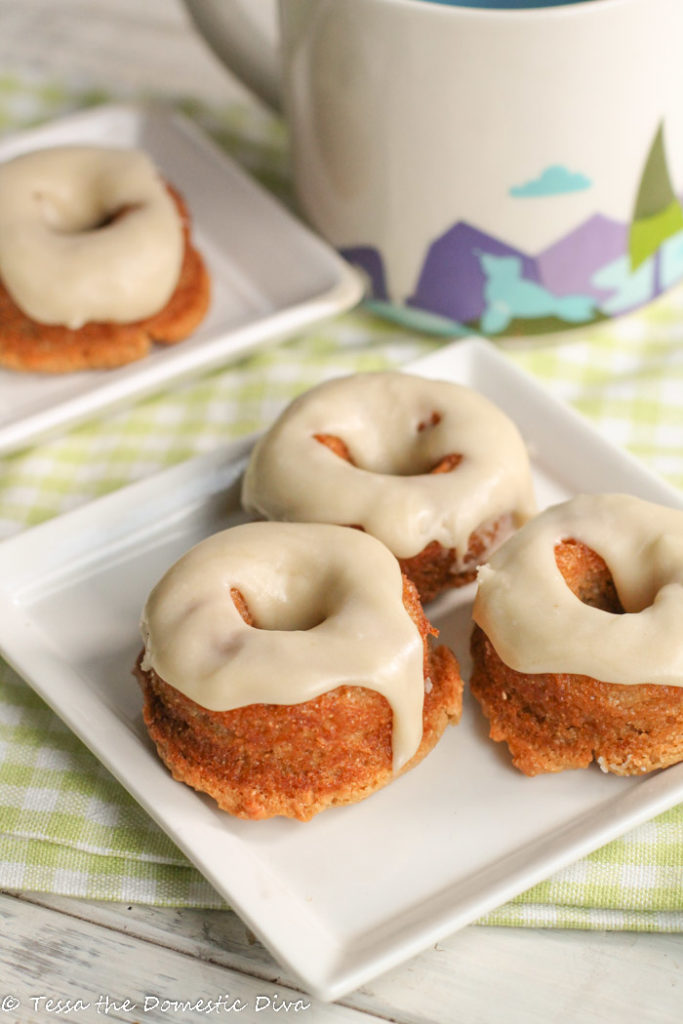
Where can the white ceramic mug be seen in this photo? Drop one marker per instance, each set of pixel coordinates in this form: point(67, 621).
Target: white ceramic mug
point(514, 171)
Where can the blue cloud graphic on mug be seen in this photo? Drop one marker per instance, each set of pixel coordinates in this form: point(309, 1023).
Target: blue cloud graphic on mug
point(555, 180)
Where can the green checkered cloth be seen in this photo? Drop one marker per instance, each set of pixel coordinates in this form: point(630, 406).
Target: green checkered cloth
point(66, 826)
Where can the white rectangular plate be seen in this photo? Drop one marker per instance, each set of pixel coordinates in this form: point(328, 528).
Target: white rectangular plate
point(358, 889)
point(271, 276)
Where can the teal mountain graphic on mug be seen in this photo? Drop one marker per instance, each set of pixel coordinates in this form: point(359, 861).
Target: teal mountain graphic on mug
point(509, 296)
point(603, 267)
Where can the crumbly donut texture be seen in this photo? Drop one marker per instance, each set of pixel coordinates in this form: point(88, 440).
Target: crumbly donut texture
point(556, 721)
point(27, 345)
point(296, 760)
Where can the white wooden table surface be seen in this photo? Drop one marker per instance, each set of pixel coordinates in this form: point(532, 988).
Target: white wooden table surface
point(115, 957)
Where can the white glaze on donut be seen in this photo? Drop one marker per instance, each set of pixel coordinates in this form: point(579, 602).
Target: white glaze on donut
point(60, 259)
point(327, 601)
point(535, 622)
point(388, 422)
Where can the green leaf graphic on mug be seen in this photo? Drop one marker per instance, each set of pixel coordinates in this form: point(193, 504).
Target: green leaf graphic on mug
point(658, 214)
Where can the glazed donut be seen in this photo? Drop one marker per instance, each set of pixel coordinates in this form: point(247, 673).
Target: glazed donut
point(87, 233)
point(431, 468)
point(577, 647)
point(285, 669)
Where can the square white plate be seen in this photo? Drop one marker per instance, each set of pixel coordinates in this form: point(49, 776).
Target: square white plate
point(271, 276)
point(358, 889)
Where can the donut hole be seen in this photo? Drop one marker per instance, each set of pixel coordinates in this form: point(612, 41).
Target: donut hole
point(287, 623)
point(447, 464)
point(114, 216)
point(433, 421)
point(587, 575)
point(417, 466)
point(61, 218)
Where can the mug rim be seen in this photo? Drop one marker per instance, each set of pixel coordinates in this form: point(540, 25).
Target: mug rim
point(568, 9)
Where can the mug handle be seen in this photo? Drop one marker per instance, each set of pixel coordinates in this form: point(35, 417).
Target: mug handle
point(249, 47)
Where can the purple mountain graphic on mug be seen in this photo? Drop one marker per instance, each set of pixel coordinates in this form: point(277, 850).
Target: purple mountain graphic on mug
point(600, 268)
